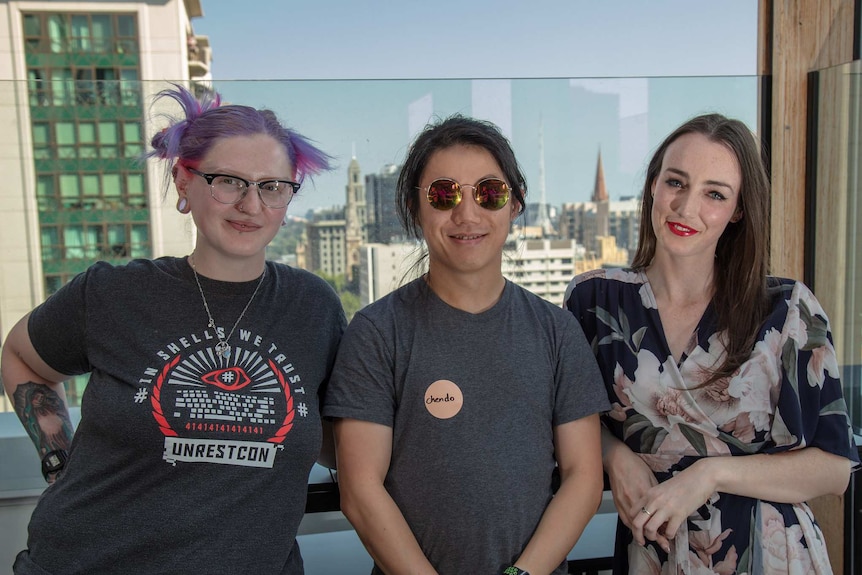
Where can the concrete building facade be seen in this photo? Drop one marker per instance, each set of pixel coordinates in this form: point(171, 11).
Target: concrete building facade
point(78, 81)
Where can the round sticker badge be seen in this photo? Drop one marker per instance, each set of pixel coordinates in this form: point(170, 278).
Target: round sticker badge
point(443, 399)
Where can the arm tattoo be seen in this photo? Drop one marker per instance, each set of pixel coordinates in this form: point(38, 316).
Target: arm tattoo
point(44, 415)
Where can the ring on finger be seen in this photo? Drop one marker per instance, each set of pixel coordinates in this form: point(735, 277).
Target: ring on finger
point(645, 510)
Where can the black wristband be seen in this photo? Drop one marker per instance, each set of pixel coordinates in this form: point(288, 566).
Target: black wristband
point(54, 462)
point(514, 571)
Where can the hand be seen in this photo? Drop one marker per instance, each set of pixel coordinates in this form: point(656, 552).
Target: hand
point(630, 479)
point(670, 503)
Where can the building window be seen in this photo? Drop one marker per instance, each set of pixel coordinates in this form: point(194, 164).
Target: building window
point(51, 248)
point(90, 189)
point(46, 193)
point(127, 34)
point(98, 33)
point(66, 141)
point(108, 139)
point(41, 141)
point(135, 190)
point(62, 87)
point(140, 241)
point(57, 32)
point(87, 140)
point(118, 242)
point(132, 140)
point(70, 191)
point(94, 241)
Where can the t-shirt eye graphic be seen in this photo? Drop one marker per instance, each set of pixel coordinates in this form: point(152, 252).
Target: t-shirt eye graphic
point(230, 379)
point(197, 396)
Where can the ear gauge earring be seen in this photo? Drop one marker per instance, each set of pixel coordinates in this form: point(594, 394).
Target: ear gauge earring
point(284, 222)
point(183, 205)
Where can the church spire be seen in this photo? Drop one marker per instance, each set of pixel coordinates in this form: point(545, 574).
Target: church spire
point(600, 191)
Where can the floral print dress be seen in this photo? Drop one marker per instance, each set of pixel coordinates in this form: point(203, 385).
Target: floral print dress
point(786, 396)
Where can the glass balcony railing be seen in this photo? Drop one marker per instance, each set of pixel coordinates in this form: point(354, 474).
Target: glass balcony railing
point(77, 192)
point(835, 210)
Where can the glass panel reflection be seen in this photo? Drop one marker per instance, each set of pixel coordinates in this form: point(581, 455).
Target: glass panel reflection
point(837, 256)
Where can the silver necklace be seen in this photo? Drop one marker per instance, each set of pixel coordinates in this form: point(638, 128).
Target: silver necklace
point(223, 347)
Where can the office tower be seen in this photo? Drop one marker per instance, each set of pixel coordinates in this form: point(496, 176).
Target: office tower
point(383, 268)
point(383, 224)
point(76, 101)
point(624, 222)
point(544, 217)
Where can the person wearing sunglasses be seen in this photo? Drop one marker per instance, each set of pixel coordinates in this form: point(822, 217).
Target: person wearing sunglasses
point(727, 406)
point(200, 421)
point(455, 396)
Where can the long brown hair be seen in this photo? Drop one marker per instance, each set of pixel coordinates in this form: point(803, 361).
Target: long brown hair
point(742, 253)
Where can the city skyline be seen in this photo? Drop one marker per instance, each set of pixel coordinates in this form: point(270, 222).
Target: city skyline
point(623, 119)
point(610, 78)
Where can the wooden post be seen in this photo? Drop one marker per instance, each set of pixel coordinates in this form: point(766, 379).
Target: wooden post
point(796, 37)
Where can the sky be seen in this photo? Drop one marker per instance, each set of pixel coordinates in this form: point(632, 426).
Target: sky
point(592, 77)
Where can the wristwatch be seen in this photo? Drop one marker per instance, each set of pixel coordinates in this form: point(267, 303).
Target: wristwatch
point(54, 462)
point(514, 571)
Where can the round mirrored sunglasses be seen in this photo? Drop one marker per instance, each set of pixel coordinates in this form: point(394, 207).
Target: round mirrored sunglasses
point(445, 193)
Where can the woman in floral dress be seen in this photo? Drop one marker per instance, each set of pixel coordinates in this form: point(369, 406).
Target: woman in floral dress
point(704, 356)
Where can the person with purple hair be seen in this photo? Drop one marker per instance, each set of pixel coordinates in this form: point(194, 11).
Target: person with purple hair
point(201, 418)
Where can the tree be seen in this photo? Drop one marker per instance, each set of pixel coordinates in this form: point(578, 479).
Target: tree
point(286, 239)
point(351, 304)
point(346, 290)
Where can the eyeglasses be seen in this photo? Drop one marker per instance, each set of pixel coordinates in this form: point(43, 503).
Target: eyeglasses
point(445, 194)
point(227, 189)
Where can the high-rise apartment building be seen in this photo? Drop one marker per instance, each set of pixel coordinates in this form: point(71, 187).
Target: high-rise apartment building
point(76, 90)
point(326, 237)
point(542, 266)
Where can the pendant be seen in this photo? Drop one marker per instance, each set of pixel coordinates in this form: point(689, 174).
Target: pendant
point(223, 349)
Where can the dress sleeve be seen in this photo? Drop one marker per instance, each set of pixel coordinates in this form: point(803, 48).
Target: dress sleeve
point(580, 296)
point(811, 410)
point(362, 382)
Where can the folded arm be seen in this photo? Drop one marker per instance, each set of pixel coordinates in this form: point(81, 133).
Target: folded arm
point(806, 473)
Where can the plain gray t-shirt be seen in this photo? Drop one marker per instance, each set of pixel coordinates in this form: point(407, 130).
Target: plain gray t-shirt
point(472, 482)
